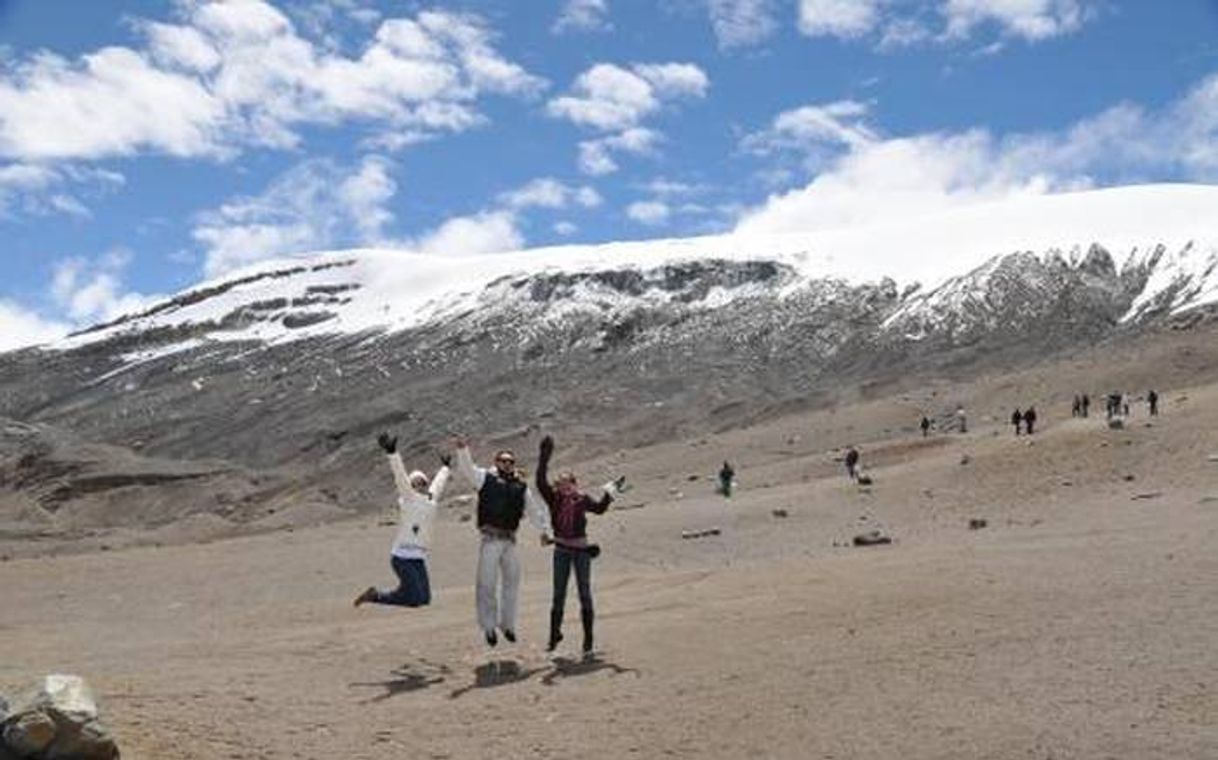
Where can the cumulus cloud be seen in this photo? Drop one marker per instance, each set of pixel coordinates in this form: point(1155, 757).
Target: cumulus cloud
point(596, 156)
point(741, 23)
point(21, 327)
point(88, 291)
point(873, 177)
point(898, 23)
point(615, 100)
point(315, 205)
point(651, 213)
point(547, 192)
point(810, 129)
point(583, 16)
point(236, 73)
point(493, 231)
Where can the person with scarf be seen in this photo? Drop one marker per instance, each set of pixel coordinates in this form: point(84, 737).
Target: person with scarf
point(569, 508)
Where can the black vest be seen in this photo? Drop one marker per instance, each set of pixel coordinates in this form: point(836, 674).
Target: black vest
point(501, 502)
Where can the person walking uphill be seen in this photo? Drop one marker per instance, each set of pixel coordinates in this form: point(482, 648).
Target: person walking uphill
point(568, 513)
point(417, 500)
point(726, 478)
point(1029, 419)
point(1017, 420)
point(503, 498)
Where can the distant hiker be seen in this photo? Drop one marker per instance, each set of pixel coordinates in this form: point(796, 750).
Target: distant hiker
point(726, 479)
point(417, 500)
point(1152, 400)
point(1017, 420)
point(925, 426)
point(961, 420)
point(503, 498)
point(1029, 419)
point(1086, 404)
point(1076, 408)
point(1125, 404)
point(568, 513)
point(852, 463)
point(1114, 404)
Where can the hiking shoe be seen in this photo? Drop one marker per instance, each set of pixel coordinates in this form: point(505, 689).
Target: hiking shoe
point(554, 639)
point(367, 595)
point(491, 638)
point(510, 635)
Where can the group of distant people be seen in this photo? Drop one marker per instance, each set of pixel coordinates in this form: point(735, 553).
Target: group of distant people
point(503, 497)
point(1024, 421)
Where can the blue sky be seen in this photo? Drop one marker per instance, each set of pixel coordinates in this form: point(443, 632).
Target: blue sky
point(145, 146)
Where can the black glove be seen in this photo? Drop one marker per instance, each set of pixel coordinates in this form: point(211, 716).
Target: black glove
point(547, 447)
point(446, 460)
point(387, 442)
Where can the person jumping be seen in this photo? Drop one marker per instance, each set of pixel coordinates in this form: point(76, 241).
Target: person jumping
point(568, 512)
point(503, 497)
point(417, 500)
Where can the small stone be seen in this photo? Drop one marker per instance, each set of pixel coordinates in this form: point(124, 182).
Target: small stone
point(965, 459)
point(779, 512)
point(977, 523)
point(1128, 478)
point(1116, 423)
point(1147, 495)
point(465, 517)
point(871, 538)
point(692, 477)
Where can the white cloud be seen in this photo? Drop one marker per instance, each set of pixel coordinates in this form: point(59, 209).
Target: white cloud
point(484, 232)
point(847, 19)
point(315, 205)
point(874, 177)
point(808, 129)
point(547, 192)
point(235, 73)
point(740, 23)
point(565, 228)
point(41, 189)
point(900, 24)
point(20, 327)
point(90, 291)
point(583, 16)
point(651, 213)
point(1032, 20)
point(611, 98)
point(596, 156)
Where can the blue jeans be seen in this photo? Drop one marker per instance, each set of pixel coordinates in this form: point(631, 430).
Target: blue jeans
point(563, 560)
point(414, 590)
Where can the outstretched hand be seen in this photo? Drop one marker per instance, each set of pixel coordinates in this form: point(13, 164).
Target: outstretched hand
point(547, 446)
point(460, 442)
point(620, 484)
point(446, 459)
point(387, 442)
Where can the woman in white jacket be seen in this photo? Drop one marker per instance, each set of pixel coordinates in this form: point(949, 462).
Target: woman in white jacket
point(417, 500)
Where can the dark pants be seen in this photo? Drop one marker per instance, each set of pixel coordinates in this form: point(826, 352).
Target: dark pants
point(414, 590)
point(563, 560)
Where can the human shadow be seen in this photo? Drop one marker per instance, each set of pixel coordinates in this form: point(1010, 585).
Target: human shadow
point(497, 673)
point(566, 667)
point(408, 678)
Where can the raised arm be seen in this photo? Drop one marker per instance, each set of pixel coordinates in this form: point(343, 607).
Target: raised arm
point(438, 484)
point(543, 468)
point(609, 492)
point(389, 444)
point(465, 465)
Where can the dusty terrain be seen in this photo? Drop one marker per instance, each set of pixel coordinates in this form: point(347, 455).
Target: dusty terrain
point(1080, 623)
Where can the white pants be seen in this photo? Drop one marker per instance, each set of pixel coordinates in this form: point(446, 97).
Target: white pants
point(496, 557)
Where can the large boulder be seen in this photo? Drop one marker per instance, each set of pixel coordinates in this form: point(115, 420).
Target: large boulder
point(57, 720)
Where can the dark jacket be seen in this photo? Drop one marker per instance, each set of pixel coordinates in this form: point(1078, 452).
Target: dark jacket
point(501, 501)
point(568, 513)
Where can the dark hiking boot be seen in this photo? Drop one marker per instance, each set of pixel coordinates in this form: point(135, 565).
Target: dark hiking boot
point(510, 635)
point(491, 638)
point(586, 616)
point(555, 630)
point(367, 595)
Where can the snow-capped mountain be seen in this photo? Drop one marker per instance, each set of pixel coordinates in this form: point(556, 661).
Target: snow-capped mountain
point(297, 363)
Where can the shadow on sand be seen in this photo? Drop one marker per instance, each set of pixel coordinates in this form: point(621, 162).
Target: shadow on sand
point(566, 667)
point(497, 673)
point(408, 678)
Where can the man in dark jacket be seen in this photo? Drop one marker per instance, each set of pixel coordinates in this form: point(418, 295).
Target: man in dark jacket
point(569, 508)
point(1029, 419)
point(1017, 420)
point(503, 498)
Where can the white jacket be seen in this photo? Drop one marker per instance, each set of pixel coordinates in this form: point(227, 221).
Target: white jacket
point(418, 510)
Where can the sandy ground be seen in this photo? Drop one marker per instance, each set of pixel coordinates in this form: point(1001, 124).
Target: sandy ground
point(1081, 623)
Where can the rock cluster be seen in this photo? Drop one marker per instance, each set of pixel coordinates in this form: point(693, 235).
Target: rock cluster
point(57, 720)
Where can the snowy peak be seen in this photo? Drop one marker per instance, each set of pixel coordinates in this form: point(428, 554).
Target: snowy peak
point(964, 272)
